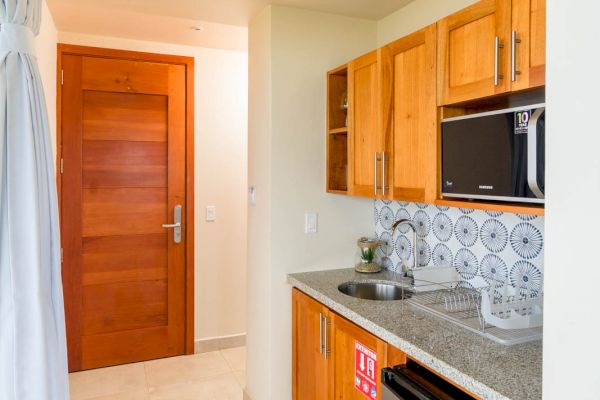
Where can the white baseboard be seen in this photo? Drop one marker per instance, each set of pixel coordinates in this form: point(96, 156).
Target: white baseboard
point(219, 343)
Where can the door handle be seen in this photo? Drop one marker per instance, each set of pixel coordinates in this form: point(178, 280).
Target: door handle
point(176, 225)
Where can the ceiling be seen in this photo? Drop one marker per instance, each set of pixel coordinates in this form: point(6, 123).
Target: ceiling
point(224, 22)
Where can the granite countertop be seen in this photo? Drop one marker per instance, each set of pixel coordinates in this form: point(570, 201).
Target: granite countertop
point(485, 368)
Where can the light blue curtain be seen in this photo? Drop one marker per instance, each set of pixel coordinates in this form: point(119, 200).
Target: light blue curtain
point(33, 362)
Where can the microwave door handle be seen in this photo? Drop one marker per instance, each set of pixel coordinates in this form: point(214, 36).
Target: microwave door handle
point(532, 153)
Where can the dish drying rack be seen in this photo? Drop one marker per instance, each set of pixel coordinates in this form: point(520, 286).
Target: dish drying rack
point(494, 309)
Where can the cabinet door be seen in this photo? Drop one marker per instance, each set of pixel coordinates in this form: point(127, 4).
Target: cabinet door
point(473, 52)
point(528, 44)
point(346, 335)
point(363, 97)
point(409, 115)
point(312, 372)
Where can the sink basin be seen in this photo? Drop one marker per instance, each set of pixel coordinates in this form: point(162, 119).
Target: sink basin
point(374, 290)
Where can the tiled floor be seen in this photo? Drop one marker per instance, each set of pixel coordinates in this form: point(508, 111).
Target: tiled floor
point(218, 375)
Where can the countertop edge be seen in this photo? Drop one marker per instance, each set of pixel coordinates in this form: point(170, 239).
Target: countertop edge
point(442, 368)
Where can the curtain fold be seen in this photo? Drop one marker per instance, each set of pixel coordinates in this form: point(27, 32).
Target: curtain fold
point(33, 361)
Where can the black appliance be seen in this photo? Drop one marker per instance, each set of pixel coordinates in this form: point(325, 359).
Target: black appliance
point(412, 381)
point(497, 155)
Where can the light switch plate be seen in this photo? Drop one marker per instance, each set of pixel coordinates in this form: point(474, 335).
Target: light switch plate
point(211, 213)
point(311, 223)
point(252, 195)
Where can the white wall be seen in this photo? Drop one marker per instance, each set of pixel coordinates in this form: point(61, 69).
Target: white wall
point(415, 16)
point(45, 44)
point(220, 178)
point(571, 316)
point(259, 296)
point(287, 165)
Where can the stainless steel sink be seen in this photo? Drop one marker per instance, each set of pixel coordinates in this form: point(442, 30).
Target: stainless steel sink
point(375, 290)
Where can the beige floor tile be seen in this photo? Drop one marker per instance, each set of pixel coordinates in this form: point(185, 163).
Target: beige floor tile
point(219, 387)
point(241, 377)
point(236, 358)
point(184, 369)
point(109, 381)
point(141, 395)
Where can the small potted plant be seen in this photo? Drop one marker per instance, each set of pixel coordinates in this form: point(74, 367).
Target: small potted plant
point(367, 257)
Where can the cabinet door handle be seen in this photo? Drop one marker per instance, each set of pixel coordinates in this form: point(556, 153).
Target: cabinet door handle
point(326, 351)
point(375, 178)
point(497, 47)
point(513, 56)
point(320, 333)
point(383, 173)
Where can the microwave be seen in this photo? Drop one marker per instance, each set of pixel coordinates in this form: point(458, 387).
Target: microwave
point(497, 155)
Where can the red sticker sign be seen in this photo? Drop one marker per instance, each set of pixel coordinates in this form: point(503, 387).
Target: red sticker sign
point(365, 370)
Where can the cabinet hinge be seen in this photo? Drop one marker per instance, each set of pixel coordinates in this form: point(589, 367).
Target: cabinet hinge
point(62, 165)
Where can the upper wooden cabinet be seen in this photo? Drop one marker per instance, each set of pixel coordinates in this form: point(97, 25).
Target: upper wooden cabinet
point(364, 134)
point(529, 32)
point(489, 48)
point(472, 52)
point(409, 120)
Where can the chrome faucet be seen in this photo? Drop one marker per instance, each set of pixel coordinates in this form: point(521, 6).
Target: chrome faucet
point(416, 252)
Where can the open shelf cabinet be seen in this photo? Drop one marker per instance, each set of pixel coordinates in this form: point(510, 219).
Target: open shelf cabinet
point(337, 130)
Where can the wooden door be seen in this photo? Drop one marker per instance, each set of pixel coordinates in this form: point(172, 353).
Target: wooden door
point(365, 140)
point(529, 29)
point(311, 365)
point(124, 157)
point(467, 52)
point(345, 336)
point(409, 115)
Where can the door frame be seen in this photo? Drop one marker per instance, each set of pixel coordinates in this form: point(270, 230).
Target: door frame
point(188, 63)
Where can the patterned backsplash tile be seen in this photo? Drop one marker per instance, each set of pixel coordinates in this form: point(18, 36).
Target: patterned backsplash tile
point(501, 246)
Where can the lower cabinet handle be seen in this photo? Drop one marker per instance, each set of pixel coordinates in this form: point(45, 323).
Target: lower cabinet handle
point(327, 351)
point(320, 333)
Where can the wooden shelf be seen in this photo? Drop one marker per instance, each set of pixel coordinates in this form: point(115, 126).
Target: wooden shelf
point(335, 191)
point(533, 209)
point(337, 133)
point(338, 130)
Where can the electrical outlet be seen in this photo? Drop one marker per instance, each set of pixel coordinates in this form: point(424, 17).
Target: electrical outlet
point(311, 222)
point(211, 213)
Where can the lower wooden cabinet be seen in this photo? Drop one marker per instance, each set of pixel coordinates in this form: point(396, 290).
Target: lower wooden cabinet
point(312, 369)
point(348, 341)
point(329, 353)
point(324, 349)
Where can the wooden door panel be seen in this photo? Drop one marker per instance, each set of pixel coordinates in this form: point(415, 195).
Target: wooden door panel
point(111, 75)
point(122, 306)
point(468, 40)
point(124, 150)
point(126, 346)
point(466, 52)
point(114, 259)
point(529, 25)
point(118, 163)
point(124, 116)
point(124, 211)
point(363, 113)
